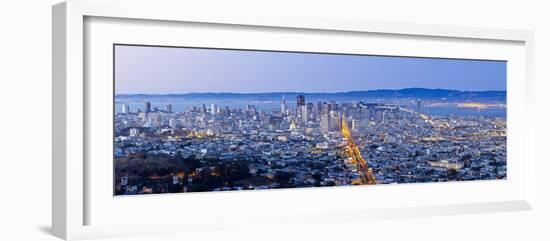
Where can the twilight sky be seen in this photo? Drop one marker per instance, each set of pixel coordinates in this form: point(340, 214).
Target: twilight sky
point(162, 70)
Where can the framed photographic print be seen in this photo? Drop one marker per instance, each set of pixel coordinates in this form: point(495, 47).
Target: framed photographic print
point(233, 121)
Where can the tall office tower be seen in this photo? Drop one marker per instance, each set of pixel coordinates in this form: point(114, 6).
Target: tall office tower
point(310, 111)
point(283, 106)
point(325, 123)
point(203, 108)
point(319, 107)
point(227, 111)
point(333, 106)
point(305, 114)
point(418, 105)
point(213, 109)
point(125, 108)
point(335, 120)
point(325, 109)
point(300, 101)
point(158, 120)
point(169, 108)
point(329, 107)
point(147, 106)
point(172, 123)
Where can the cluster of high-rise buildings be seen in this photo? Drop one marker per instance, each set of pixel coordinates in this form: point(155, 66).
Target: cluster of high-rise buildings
point(304, 139)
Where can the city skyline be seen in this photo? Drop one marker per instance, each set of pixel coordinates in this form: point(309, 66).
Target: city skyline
point(211, 147)
point(169, 70)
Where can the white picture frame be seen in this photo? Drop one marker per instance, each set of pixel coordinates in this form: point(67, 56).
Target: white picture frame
point(72, 191)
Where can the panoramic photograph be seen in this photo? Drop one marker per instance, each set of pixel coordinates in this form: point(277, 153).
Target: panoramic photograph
point(205, 119)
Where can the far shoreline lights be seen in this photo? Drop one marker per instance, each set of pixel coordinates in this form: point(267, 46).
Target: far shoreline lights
point(254, 135)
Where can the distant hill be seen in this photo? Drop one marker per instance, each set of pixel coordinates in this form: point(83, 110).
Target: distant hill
point(427, 93)
point(380, 93)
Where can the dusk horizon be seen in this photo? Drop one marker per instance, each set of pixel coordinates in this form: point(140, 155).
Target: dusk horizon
point(306, 92)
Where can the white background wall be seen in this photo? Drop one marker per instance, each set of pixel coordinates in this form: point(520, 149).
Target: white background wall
point(25, 119)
